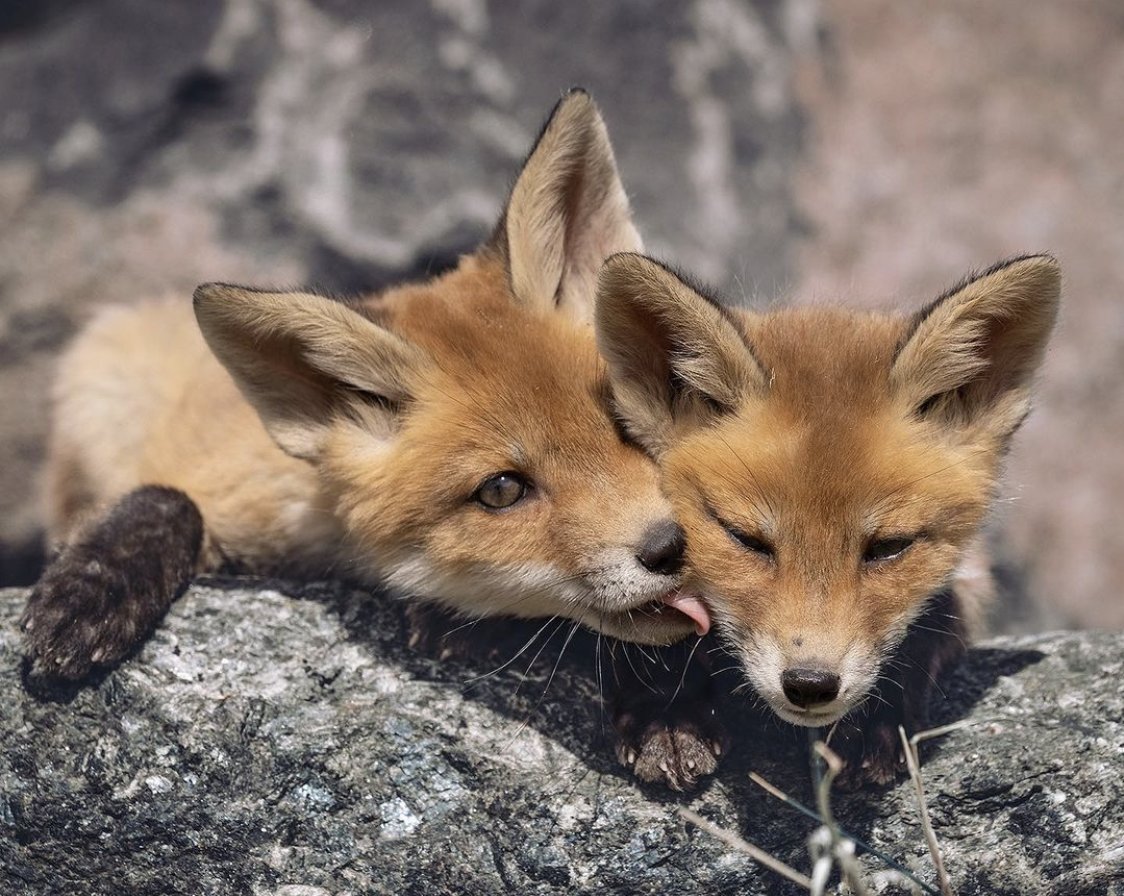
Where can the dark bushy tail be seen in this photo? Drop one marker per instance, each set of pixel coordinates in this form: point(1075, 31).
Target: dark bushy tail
point(106, 591)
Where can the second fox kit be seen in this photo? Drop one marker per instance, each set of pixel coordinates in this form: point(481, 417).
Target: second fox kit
point(451, 438)
point(832, 470)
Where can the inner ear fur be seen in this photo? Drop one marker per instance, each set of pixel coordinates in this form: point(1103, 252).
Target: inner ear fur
point(567, 213)
point(673, 354)
point(971, 355)
point(303, 361)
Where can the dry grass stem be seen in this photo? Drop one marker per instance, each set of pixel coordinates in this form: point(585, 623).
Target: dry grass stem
point(910, 748)
point(893, 866)
point(754, 852)
point(842, 849)
point(829, 845)
point(930, 733)
point(773, 790)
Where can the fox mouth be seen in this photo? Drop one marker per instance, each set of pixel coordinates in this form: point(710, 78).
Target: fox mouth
point(810, 718)
point(678, 607)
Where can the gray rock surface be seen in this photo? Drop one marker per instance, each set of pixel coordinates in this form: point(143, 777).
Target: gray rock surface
point(281, 739)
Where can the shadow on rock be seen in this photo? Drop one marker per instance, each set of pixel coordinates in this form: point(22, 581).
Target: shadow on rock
point(977, 673)
point(557, 679)
point(21, 563)
point(50, 689)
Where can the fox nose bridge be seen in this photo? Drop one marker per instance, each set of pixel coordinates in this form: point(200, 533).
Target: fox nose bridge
point(815, 639)
point(661, 549)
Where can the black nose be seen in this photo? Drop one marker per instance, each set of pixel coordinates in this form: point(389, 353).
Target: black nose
point(809, 687)
point(662, 550)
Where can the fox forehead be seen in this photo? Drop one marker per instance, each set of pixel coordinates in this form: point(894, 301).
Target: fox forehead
point(508, 380)
point(826, 446)
point(824, 361)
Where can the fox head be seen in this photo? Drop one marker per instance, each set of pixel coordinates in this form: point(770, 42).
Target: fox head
point(830, 467)
point(462, 426)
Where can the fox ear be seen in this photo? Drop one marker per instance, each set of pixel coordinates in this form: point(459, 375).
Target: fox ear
point(304, 362)
point(970, 356)
point(567, 213)
point(674, 356)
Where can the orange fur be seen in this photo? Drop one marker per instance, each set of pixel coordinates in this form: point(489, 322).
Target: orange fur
point(319, 436)
point(800, 446)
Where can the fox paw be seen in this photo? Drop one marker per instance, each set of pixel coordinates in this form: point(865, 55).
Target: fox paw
point(675, 750)
point(74, 620)
point(872, 756)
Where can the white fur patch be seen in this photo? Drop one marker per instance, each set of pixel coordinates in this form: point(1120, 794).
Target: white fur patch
point(765, 662)
point(523, 590)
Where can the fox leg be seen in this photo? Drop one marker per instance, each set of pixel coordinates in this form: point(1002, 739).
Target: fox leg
point(868, 739)
point(665, 714)
point(106, 590)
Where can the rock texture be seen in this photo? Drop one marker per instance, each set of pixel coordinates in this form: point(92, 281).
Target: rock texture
point(280, 739)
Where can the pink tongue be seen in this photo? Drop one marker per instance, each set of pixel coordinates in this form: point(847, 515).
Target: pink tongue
point(692, 607)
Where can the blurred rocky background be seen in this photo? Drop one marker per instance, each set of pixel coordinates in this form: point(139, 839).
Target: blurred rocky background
point(872, 150)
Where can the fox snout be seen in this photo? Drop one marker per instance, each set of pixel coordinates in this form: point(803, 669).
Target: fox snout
point(807, 692)
point(809, 688)
point(812, 687)
point(640, 590)
point(816, 695)
point(661, 551)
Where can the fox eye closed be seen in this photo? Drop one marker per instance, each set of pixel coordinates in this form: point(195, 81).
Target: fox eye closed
point(879, 550)
point(501, 491)
point(750, 542)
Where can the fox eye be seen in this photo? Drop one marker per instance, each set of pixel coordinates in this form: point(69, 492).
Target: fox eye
point(501, 491)
point(880, 549)
point(749, 542)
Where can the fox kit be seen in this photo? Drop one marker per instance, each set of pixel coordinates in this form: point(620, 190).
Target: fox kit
point(452, 439)
point(832, 470)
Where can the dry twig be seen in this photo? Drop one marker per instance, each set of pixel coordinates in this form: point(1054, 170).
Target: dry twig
point(910, 747)
point(754, 852)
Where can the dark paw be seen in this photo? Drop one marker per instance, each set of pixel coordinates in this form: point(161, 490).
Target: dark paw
point(74, 619)
point(104, 593)
point(872, 755)
point(674, 748)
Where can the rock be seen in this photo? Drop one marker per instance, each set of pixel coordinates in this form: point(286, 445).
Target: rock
point(275, 738)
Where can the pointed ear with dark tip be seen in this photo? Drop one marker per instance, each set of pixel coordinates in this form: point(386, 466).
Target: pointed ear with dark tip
point(567, 213)
point(674, 356)
point(970, 357)
point(304, 362)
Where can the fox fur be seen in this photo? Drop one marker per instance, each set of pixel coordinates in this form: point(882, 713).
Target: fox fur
point(452, 439)
point(832, 470)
